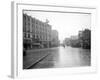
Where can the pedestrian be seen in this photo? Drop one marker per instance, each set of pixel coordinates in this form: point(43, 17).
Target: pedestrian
point(63, 45)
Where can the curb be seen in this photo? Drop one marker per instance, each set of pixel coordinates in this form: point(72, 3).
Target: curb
point(37, 61)
point(41, 49)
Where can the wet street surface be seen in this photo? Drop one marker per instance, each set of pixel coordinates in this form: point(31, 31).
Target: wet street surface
point(64, 57)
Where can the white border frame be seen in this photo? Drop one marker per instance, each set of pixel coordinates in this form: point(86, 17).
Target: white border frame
point(17, 67)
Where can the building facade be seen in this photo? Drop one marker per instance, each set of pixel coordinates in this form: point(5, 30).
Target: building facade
point(54, 38)
point(36, 33)
point(85, 38)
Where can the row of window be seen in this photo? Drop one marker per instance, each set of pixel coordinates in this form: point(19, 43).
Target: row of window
point(42, 37)
point(29, 19)
point(35, 26)
point(35, 23)
point(36, 30)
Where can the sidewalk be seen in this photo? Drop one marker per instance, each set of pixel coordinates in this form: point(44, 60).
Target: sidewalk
point(43, 49)
point(32, 58)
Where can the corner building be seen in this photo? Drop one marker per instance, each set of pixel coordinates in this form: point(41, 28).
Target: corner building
point(36, 34)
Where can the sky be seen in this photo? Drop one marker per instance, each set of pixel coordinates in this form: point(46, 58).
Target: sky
point(67, 24)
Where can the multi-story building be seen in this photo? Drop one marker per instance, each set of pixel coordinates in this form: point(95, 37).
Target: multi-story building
point(35, 33)
point(85, 38)
point(66, 41)
point(54, 38)
point(26, 31)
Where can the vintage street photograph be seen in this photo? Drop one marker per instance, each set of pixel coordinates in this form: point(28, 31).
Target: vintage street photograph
point(56, 39)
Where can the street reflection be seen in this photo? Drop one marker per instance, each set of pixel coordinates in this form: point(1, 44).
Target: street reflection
point(65, 57)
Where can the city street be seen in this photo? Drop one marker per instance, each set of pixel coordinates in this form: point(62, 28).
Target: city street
point(64, 57)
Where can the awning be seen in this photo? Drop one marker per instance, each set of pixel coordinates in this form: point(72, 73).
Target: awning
point(35, 43)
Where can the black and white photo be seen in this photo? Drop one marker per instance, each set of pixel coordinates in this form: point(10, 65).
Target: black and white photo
point(52, 40)
point(56, 39)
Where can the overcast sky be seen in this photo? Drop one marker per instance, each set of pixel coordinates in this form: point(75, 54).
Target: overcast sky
point(67, 24)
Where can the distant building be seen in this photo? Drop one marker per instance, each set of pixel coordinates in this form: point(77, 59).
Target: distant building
point(72, 41)
point(54, 37)
point(67, 41)
point(37, 34)
point(74, 37)
point(85, 38)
